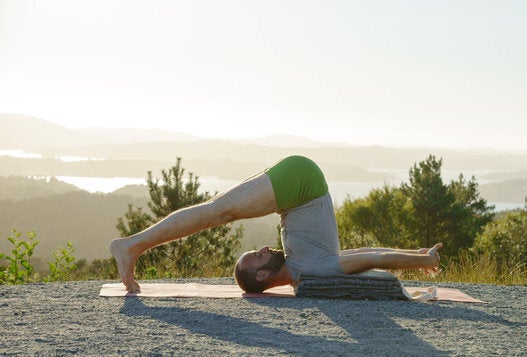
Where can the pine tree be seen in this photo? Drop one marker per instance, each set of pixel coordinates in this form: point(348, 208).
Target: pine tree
point(452, 214)
point(210, 251)
point(431, 202)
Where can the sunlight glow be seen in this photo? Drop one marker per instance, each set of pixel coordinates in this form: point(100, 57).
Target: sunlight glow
point(445, 74)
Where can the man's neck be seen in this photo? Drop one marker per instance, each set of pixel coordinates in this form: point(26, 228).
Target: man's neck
point(283, 277)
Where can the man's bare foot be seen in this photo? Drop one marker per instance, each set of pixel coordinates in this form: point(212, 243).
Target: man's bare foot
point(433, 252)
point(125, 263)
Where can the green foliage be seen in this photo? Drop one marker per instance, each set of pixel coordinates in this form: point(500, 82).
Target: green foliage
point(419, 213)
point(91, 220)
point(471, 213)
point(205, 252)
point(431, 203)
point(97, 269)
point(151, 273)
point(476, 268)
point(19, 268)
point(64, 264)
point(505, 239)
point(452, 214)
point(210, 251)
point(136, 221)
point(378, 219)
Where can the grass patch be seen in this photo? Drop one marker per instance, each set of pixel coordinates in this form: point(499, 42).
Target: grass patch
point(477, 269)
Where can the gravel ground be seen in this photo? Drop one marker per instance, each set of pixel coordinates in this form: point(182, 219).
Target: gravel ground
point(70, 318)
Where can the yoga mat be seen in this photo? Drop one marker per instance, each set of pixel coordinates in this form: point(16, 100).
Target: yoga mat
point(197, 290)
point(444, 294)
point(192, 290)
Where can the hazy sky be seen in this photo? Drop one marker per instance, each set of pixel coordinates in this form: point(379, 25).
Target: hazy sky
point(448, 73)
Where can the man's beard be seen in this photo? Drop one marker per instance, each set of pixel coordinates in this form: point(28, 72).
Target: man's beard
point(275, 263)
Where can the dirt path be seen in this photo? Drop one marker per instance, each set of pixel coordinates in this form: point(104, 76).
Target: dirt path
point(70, 318)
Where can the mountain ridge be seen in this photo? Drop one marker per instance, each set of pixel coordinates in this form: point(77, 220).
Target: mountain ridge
point(131, 152)
point(15, 126)
point(14, 129)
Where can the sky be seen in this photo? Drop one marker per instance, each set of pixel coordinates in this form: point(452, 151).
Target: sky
point(449, 73)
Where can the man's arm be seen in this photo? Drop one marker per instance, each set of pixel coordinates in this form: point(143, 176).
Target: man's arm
point(360, 261)
point(372, 250)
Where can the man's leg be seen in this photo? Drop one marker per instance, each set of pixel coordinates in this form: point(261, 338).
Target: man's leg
point(356, 261)
point(252, 198)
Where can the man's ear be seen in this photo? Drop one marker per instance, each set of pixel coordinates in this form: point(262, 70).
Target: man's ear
point(262, 275)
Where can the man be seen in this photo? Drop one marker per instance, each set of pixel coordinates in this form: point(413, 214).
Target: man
point(295, 188)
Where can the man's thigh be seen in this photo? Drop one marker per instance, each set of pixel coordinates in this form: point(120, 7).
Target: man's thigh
point(253, 197)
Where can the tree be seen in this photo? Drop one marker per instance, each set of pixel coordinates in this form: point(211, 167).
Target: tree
point(505, 239)
point(473, 213)
point(353, 222)
point(378, 219)
point(419, 213)
point(451, 214)
point(431, 202)
point(208, 251)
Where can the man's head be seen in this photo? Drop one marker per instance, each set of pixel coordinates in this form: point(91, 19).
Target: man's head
point(255, 269)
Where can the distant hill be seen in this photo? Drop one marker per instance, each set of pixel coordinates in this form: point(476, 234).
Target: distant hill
point(505, 191)
point(135, 191)
point(21, 132)
point(133, 152)
point(88, 220)
point(19, 188)
point(59, 213)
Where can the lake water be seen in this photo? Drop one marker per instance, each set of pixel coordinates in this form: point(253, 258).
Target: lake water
point(339, 190)
point(28, 155)
point(20, 154)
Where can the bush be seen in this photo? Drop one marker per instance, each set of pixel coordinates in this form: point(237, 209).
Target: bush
point(19, 269)
point(63, 265)
point(505, 239)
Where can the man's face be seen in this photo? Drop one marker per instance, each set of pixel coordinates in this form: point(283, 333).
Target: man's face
point(263, 259)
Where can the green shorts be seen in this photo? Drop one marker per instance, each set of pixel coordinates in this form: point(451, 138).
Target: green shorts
point(296, 180)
